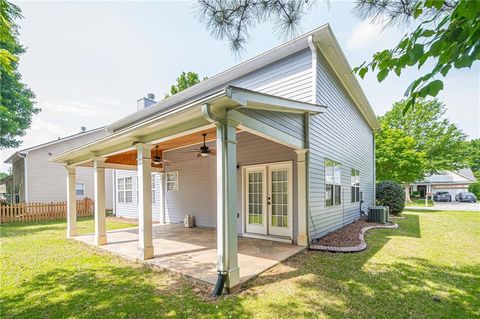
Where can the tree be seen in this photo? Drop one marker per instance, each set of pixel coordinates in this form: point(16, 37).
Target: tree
point(447, 33)
point(16, 99)
point(473, 156)
point(439, 145)
point(184, 81)
point(397, 158)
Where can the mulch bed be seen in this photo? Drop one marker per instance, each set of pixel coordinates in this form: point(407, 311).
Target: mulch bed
point(347, 236)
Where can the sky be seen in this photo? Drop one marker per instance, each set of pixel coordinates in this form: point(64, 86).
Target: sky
point(88, 62)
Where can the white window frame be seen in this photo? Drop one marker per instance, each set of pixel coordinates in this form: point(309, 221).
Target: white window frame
point(154, 189)
point(333, 178)
point(82, 189)
point(171, 181)
point(123, 190)
point(355, 185)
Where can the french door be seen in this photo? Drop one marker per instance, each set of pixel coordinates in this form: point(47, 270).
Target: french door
point(268, 199)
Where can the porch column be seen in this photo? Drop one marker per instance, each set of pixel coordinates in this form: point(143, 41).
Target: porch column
point(145, 231)
point(227, 259)
point(302, 239)
point(99, 188)
point(162, 198)
point(71, 202)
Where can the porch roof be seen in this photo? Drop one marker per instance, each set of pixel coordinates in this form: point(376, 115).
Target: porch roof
point(187, 119)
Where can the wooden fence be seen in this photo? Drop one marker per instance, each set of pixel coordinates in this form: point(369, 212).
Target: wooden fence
point(30, 212)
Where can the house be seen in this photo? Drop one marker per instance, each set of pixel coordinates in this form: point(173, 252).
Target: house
point(35, 179)
point(293, 135)
point(446, 181)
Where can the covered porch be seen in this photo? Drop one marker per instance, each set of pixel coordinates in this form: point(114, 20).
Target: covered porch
point(192, 251)
point(135, 144)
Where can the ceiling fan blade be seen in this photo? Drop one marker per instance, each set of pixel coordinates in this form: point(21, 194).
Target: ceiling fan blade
point(167, 161)
point(199, 154)
point(213, 152)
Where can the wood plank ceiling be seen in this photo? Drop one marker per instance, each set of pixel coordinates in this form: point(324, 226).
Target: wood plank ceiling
point(130, 157)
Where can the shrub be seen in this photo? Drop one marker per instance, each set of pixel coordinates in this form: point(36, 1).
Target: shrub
point(415, 194)
point(391, 194)
point(475, 188)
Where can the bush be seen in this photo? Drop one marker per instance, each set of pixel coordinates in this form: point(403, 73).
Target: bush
point(391, 194)
point(475, 188)
point(415, 195)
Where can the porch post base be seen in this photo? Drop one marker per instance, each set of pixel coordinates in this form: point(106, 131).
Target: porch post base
point(100, 240)
point(71, 232)
point(302, 240)
point(145, 253)
point(233, 278)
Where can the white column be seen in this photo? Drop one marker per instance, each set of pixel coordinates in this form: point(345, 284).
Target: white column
point(302, 239)
point(145, 231)
point(71, 202)
point(162, 198)
point(227, 248)
point(99, 188)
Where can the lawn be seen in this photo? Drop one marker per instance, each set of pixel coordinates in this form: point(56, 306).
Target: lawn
point(428, 268)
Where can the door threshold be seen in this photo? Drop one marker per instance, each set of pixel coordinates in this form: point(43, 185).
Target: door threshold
point(271, 238)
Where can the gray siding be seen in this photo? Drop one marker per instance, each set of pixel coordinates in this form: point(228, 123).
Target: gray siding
point(290, 77)
point(340, 134)
point(47, 181)
point(197, 180)
point(292, 124)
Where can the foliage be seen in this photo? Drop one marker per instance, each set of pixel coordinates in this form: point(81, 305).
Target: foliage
point(475, 188)
point(473, 156)
point(16, 99)
point(441, 141)
point(3, 175)
point(391, 194)
point(397, 158)
point(448, 35)
point(430, 254)
point(184, 81)
point(233, 19)
point(415, 194)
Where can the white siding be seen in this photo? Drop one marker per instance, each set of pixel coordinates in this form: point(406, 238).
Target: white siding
point(47, 181)
point(340, 134)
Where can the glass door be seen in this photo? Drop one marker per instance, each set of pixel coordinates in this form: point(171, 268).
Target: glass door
point(256, 202)
point(280, 199)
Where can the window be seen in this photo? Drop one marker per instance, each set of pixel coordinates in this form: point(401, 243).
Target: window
point(154, 189)
point(333, 188)
point(124, 190)
point(80, 189)
point(355, 181)
point(172, 181)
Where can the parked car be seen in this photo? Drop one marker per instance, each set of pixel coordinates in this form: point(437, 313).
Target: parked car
point(442, 197)
point(466, 197)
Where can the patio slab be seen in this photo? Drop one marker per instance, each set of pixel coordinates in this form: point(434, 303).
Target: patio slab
point(192, 251)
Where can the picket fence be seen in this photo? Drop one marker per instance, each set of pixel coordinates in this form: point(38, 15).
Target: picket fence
point(32, 212)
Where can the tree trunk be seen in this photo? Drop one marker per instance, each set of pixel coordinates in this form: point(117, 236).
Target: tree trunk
point(407, 193)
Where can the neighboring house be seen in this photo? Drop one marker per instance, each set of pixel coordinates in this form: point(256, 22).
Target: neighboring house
point(294, 139)
point(452, 182)
point(6, 189)
point(36, 179)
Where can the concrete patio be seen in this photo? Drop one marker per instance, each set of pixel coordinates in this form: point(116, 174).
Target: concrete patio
point(192, 251)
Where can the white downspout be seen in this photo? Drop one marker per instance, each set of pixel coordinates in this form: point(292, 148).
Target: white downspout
point(25, 175)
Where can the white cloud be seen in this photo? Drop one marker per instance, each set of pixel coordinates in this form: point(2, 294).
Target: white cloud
point(373, 36)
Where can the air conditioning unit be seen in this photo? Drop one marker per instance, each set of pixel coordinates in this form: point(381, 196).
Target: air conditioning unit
point(378, 214)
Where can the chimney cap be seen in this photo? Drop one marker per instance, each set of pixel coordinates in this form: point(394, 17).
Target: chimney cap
point(151, 96)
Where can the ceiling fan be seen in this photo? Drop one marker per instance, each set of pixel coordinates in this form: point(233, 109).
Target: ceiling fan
point(204, 149)
point(157, 159)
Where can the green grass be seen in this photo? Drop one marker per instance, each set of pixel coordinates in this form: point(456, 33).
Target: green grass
point(434, 255)
point(419, 202)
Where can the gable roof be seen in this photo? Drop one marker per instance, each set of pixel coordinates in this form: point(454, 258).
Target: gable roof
point(461, 176)
point(322, 37)
point(12, 158)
